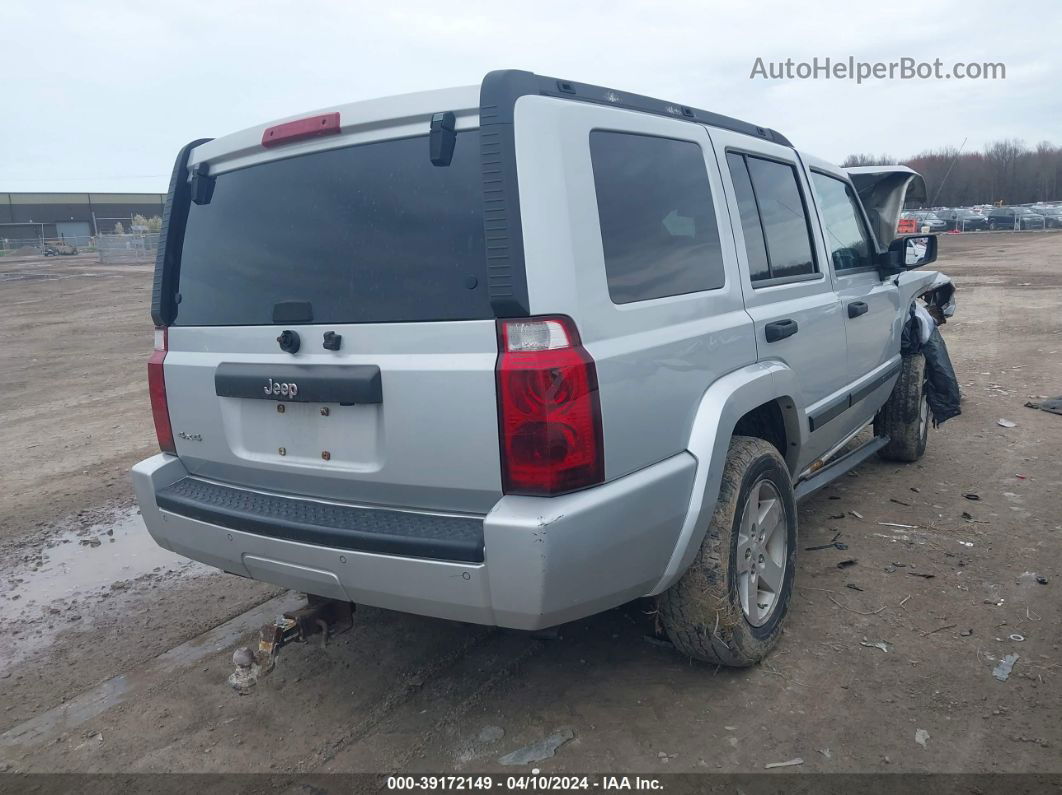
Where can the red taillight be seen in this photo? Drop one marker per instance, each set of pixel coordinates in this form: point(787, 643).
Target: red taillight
point(549, 414)
point(160, 411)
point(301, 129)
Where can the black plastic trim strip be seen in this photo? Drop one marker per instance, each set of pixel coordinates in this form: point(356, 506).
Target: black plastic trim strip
point(870, 386)
point(839, 407)
point(345, 384)
point(377, 530)
point(171, 239)
point(502, 230)
point(831, 412)
point(508, 85)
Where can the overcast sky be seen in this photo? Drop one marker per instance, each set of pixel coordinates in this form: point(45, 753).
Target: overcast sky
point(98, 96)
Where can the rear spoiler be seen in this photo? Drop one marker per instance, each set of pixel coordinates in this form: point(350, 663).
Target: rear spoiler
point(883, 191)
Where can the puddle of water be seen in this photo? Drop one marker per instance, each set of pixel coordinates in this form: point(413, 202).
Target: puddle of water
point(80, 563)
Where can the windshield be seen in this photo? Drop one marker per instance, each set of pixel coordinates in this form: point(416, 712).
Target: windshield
point(363, 234)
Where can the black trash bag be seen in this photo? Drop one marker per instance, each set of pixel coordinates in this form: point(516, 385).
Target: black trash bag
point(942, 388)
point(910, 336)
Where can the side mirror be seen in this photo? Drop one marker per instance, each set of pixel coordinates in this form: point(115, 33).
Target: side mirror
point(909, 251)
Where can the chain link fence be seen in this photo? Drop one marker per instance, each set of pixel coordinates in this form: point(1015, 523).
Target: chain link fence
point(35, 246)
point(137, 247)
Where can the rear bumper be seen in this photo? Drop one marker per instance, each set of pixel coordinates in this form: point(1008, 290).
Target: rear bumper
point(545, 560)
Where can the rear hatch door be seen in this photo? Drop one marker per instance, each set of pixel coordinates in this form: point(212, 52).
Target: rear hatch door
point(373, 260)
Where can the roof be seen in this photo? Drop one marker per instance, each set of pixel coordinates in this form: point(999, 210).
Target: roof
point(409, 114)
point(402, 115)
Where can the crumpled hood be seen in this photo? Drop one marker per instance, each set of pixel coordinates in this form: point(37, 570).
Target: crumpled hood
point(883, 191)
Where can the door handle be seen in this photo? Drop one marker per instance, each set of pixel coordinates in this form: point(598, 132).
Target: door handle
point(780, 329)
point(857, 308)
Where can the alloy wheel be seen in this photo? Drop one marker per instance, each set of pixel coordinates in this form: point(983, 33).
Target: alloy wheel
point(762, 552)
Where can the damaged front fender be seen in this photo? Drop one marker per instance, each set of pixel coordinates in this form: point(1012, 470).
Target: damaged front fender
point(920, 335)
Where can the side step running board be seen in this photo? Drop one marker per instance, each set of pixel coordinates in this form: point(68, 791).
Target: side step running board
point(834, 470)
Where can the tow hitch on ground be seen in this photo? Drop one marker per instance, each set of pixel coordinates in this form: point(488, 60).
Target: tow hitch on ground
point(319, 616)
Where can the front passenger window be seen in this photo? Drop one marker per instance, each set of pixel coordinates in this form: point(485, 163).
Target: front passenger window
point(846, 235)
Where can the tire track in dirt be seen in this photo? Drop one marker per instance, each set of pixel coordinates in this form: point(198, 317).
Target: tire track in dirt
point(449, 679)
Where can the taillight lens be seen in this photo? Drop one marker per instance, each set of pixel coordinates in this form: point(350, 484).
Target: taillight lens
point(549, 413)
point(160, 411)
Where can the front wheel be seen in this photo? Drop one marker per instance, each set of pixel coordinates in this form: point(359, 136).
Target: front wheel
point(729, 606)
point(905, 416)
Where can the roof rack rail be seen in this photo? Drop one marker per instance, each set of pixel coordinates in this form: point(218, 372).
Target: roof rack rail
point(502, 88)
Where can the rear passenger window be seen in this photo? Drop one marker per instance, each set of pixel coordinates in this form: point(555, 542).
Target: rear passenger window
point(782, 215)
point(658, 228)
point(750, 218)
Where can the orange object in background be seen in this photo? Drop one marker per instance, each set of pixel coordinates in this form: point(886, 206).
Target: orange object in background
point(907, 226)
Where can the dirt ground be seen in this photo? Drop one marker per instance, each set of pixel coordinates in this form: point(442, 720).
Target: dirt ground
point(886, 665)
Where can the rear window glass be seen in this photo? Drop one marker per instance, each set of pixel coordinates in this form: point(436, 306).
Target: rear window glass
point(658, 227)
point(364, 234)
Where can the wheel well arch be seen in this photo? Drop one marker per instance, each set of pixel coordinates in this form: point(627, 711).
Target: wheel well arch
point(774, 421)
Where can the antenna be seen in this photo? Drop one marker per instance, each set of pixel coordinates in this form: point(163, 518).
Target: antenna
point(946, 173)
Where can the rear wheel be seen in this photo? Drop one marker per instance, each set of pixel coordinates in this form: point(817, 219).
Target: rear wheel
point(729, 606)
point(905, 416)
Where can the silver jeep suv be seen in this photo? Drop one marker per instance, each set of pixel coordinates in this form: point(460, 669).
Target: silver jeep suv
point(518, 353)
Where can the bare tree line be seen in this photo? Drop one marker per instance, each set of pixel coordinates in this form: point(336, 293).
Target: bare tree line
point(1006, 171)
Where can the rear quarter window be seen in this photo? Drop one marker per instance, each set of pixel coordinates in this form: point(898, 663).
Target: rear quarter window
point(658, 227)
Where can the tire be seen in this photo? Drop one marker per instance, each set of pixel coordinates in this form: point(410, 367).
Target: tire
point(704, 614)
point(905, 416)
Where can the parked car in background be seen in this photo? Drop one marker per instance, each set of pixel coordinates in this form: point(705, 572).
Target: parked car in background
point(56, 248)
point(926, 218)
point(963, 220)
point(1014, 218)
point(1052, 216)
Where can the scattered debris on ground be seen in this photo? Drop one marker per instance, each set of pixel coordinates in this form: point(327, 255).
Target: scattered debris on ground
point(1006, 665)
point(536, 752)
point(788, 763)
point(1051, 405)
point(833, 544)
